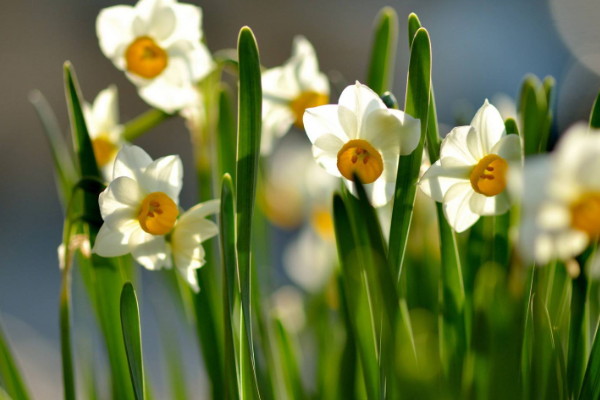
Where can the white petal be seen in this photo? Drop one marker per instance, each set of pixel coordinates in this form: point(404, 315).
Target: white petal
point(489, 128)
point(306, 67)
point(323, 120)
point(197, 56)
point(165, 175)
point(456, 207)
point(114, 29)
point(492, 205)
point(201, 211)
point(105, 110)
point(455, 145)
point(149, 250)
point(383, 130)
point(509, 148)
point(436, 181)
point(379, 192)
point(325, 150)
point(110, 243)
point(276, 122)
point(279, 85)
point(189, 22)
point(173, 89)
point(361, 100)
point(122, 195)
point(130, 161)
point(410, 133)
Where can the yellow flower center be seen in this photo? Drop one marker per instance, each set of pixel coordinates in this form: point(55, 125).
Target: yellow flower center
point(104, 150)
point(145, 58)
point(306, 100)
point(158, 213)
point(323, 223)
point(585, 214)
point(488, 177)
point(360, 158)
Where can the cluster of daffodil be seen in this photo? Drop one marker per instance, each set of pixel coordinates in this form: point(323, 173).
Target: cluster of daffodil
point(383, 317)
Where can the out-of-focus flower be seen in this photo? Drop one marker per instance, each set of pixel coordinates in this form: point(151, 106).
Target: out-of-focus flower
point(158, 45)
point(361, 136)
point(102, 120)
point(561, 198)
point(288, 306)
point(139, 207)
point(471, 175)
point(289, 90)
point(191, 229)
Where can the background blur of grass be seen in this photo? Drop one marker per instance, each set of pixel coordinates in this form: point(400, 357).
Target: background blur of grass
point(479, 49)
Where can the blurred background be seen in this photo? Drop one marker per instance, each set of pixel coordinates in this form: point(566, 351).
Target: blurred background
point(481, 49)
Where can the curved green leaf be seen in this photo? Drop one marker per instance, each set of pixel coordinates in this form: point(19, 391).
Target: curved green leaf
point(383, 51)
point(132, 337)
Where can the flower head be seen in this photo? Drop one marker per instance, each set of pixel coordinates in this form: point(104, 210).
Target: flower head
point(361, 136)
point(158, 45)
point(139, 207)
point(470, 178)
point(289, 90)
point(102, 120)
point(561, 198)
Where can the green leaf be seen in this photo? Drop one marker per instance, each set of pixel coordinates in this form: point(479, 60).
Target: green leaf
point(511, 126)
point(231, 295)
point(417, 105)
point(105, 275)
point(383, 51)
point(578, 333)
point(357, 298)
point(10, 377)
point(226, 134)
point(64, 167)
point(289, 362)
point(595, 114)
point(248, 151)
point(590, 389)
point(143, 123)
point(535, 113)
point(130, 324)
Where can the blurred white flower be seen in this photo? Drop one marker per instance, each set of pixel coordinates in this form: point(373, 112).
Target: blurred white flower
point(288, 306)
point(362, 136)
point(158, 45)
point(191, 229)
point(289, 90)
point(561, 198)
point(470, 177)
point(102, 120)
point(139, 207)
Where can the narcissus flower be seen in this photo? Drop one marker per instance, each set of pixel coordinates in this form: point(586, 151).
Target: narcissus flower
point(102, 120)
point(158, 45)
point(361, 136)
point(561, 198)
point(470, 178)
point(289, 90)
point(139, 207)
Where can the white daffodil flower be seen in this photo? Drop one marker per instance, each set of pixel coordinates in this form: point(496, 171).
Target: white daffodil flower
point(289, 90)
point(102, 120)
point(185, 242)
point(139, 207)
point(561, 198)
point(470, 177)
point(158, 45)
point(361, 136)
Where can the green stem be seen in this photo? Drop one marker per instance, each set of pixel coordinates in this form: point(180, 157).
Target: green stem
point(143, 123)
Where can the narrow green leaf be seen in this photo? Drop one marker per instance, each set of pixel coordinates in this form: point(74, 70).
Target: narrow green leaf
point(355, 287)
point(413, 26)
point(226, 134)
point(69, 385)
point(289, 362)
point(578, 333)
point(595, 114)
point(143, 123)
point(535, 114)
point(248, 151)
point(383, 51)
point(10, 377)
point(417, 105)
point(511, 126)
point(230, 286)
point(106, 276)
point(130, 324)
point(590, 388)
point(64, 167)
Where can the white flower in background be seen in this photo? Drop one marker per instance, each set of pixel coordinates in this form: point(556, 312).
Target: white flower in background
point(289, 90)
point(158, 45)
point(362, 136)
point(287, 305)
point(470, 177)
point(102, 120)
point(191, 229)
point(139, 207)
point(561, 198)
